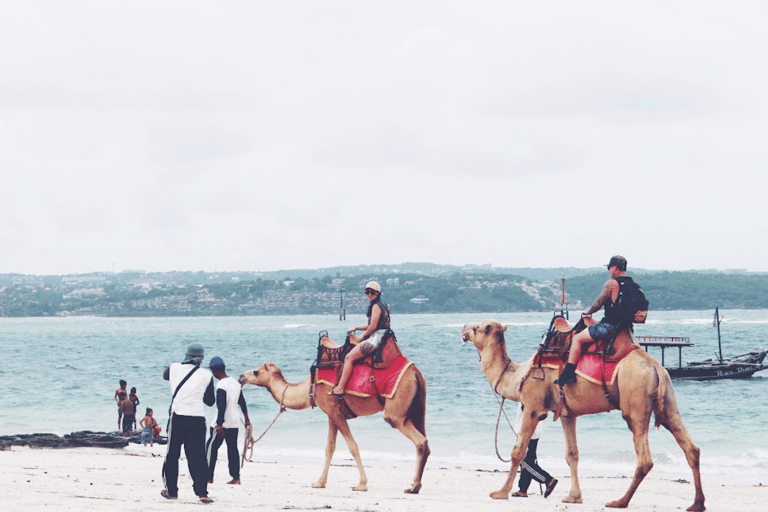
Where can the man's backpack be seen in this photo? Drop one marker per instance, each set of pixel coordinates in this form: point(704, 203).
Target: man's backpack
point(631, 305)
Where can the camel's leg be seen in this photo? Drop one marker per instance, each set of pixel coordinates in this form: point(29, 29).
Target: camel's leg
point(638, 417)
point(422, 450)
point(674, 423)
point(572, 458)
point(330, 448)
point(518, 454)
point(343, 427)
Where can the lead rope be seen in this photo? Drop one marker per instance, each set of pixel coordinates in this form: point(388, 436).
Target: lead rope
point(501, 411)
point(249, 442)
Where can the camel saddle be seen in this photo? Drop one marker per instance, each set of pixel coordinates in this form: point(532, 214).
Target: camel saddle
point(557, 343)
point(331, 355)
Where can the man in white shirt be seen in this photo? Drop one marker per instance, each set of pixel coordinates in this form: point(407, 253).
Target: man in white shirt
point(229, 396)
point(192, 387)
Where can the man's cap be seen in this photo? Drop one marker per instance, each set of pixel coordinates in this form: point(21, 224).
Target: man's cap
point(619, 262)
point(217, 364)
point(373, 285)
point(195, 353)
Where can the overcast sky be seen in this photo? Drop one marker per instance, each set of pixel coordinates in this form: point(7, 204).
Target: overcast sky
point(244, 135)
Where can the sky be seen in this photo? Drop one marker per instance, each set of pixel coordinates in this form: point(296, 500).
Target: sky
point(262, 135)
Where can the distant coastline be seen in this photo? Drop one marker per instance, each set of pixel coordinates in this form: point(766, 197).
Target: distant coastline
point(408, 288)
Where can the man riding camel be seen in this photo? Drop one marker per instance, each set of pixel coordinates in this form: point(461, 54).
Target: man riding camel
point(607, 327)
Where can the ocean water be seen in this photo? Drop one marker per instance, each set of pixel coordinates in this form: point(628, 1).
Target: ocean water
point(59, 375)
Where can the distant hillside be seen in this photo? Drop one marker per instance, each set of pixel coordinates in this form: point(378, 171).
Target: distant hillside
point(408, 288)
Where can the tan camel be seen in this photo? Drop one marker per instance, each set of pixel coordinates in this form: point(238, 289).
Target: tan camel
point(405, 411)
point(641, 387)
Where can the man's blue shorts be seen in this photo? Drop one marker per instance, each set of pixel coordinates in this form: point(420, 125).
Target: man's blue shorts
point(601, 331)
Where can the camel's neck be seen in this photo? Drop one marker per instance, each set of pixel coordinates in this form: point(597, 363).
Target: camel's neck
point(502, 372)
point(292, 396)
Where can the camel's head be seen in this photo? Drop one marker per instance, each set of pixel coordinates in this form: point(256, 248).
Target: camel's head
point(259, 376)
point(479, 334)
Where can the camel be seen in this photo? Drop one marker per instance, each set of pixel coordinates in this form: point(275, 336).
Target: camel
point(405, 411)
point(641, 387)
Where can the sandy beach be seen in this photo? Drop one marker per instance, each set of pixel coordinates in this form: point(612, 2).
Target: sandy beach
point(130, 479)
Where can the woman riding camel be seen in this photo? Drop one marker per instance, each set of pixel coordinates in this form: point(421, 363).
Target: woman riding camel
point(372, 338)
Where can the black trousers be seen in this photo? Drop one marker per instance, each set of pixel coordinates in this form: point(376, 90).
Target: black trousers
point(233, 455)
point(188, 431)
point(530, 470)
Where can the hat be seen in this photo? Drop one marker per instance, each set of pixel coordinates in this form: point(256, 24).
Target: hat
point(373, 285)
point(619, 262)
point(217, 363)
point(195, 353)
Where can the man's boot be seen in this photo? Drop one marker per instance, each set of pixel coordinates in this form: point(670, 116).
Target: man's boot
point(568, 376)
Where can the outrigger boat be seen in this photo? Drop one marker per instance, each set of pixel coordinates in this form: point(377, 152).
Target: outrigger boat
point(737, 367)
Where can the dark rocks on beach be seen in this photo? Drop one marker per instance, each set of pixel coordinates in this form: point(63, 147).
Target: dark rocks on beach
point(84, 438)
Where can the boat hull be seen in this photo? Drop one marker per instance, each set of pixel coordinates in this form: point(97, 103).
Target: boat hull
point(715, 371)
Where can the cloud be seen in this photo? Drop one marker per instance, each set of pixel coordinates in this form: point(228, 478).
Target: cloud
point(240, 135)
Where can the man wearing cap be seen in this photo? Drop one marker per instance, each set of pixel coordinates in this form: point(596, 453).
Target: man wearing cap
point(192, 387)
point(607, 327)
point(372, 338)
point(228, 396)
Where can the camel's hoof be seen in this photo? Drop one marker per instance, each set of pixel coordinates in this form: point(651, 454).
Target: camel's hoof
point(361, 488)
point(500, 495)
point(697, 507)
point(616, 504)
point(318, 485)
point(569, 499)
point(413, 490)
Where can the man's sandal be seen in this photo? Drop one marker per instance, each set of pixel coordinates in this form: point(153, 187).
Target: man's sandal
point(205, 500)
point(165, 494)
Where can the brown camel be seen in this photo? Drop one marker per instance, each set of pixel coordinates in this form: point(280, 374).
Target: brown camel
point(405, 411)
point(641, 387)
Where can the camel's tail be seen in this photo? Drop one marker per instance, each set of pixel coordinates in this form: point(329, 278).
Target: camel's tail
point(417, 411)
point(659, 404)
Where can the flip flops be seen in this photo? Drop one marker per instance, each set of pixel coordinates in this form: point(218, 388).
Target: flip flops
point(519, 494)
point(205, 500)
point(550, 487)
point(165, 494)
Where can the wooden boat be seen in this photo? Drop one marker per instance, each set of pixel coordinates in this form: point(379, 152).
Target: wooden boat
point(737, 367)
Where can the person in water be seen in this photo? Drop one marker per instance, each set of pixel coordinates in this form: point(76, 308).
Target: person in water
point(372, 338)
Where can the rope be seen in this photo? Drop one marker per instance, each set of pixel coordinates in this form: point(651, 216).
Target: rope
point(501, 411)
point(250, 442)
point(523, 464)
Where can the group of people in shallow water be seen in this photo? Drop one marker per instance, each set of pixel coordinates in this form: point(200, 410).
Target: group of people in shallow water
point(193, 388)
point(127, 405)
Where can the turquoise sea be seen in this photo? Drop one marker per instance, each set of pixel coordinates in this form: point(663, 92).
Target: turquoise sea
point(59, 375)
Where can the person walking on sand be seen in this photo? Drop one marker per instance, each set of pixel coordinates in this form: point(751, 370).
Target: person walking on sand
point(229, 396)
point(192, 388)
point(372, 339)
point(530, 469)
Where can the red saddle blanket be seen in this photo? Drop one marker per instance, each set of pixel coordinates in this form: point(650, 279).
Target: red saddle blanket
point(590, 366)
point(385, 380)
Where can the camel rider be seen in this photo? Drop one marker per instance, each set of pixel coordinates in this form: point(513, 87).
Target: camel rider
point(607, 327)
point(372, 338)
